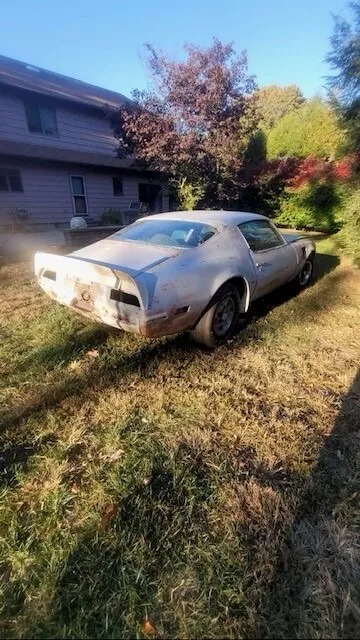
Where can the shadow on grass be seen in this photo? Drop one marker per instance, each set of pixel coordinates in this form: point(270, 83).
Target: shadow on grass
point(160, 547)
point(315, 588)
point(101, 375)
point(161, 555)
point(61, 353)
point(324, 264)
point(146, 359)
point(161, 536)
point(17, 456)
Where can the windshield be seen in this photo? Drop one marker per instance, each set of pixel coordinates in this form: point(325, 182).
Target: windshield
point(172, 233)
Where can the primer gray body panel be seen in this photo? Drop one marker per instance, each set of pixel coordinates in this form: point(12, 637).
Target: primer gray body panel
point(173, 285)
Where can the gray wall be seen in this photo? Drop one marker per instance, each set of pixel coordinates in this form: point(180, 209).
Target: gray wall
point(81, 130)
point(47, 194)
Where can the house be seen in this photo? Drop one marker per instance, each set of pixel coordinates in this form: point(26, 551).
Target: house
point(58, 152)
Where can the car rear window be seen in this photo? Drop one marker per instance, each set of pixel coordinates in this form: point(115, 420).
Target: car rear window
point(172, 233)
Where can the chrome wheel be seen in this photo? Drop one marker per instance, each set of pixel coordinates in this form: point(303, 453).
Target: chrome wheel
point(306, 273)
point(224, 316)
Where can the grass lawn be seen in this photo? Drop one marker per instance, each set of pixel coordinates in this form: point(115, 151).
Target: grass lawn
point(154, 488)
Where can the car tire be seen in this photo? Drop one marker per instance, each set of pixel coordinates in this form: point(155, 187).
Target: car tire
point(306, 273)
point(220, 322)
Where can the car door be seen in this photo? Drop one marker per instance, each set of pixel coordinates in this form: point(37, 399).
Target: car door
point(274, 260)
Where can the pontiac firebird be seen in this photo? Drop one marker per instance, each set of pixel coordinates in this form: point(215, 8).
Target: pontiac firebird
point(195, 271)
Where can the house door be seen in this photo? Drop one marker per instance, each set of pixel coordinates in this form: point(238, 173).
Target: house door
point(151, 195)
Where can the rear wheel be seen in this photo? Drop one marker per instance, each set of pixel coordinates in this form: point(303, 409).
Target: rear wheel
point(221, 320)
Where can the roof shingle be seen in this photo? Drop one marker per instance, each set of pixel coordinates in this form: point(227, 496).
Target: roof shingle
point(29, 77)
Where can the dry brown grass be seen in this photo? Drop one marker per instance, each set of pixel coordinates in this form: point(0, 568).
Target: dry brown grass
point(214, 494)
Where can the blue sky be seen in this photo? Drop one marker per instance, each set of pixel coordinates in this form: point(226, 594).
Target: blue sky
point(101, 42)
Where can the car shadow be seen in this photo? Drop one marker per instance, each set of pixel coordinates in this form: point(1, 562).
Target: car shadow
point(314, 571)
point(332, 484)
point(315, 568)
point(323, 265)
point(150, 354)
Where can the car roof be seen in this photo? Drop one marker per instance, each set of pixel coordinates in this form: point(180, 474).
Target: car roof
point(217, 218)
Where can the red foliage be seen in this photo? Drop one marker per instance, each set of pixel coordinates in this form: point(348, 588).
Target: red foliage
point(279, 169)
point(310, 169)
point(345, 168)
point(314, 169)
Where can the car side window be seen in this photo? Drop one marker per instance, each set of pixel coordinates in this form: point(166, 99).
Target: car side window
point(260, 235)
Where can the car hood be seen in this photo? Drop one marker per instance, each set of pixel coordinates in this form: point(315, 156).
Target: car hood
point(132, 257)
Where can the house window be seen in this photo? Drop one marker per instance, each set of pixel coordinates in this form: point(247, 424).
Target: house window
point(41, 119)
point(118, 186)
point(10, 180)
point(79, 195)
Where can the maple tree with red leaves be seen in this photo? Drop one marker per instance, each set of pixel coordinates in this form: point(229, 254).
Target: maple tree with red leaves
point(197, 121)
point(313, 169)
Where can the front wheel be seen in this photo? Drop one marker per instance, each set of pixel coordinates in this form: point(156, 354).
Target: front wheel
point(306, 273)
point(221, 320)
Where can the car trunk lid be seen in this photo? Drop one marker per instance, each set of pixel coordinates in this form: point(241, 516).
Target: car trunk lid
point(131, 257)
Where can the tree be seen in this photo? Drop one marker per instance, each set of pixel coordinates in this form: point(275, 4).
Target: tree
point(274, 102)
point(344, 85)
point(196, 122)
point(312, 129)
point(345, 58)
point(266, 183)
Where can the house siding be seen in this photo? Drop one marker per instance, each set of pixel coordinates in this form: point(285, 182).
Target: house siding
point(79, 130)
point(47, 193)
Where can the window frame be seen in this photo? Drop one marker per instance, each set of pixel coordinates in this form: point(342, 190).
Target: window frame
point(118, 195)
point(269, 223)
point(77, 195)
point(40, 109)
point(6, 171)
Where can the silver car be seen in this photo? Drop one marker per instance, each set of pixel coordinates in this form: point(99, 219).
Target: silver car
point(195, 271)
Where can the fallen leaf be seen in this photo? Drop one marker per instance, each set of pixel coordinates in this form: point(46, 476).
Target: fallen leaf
point(148, 628)
point(93, 353)
point(75, 365)
point(110, 510)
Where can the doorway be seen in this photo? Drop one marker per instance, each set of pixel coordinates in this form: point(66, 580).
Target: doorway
point(151, 195)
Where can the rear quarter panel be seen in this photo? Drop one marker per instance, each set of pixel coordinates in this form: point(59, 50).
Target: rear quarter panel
point(192, 278)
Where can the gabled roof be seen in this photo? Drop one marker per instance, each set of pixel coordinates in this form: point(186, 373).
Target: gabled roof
point(32, 78)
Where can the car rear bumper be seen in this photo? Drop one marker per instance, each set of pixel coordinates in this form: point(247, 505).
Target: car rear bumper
point(100, 308)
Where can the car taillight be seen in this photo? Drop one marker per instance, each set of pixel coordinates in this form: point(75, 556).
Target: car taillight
point(127, 298)
point(50, 275)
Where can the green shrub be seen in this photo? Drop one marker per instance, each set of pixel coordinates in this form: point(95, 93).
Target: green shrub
point(319, 206)
point(265, 185)
point(189, 194)
point(312, 129)
point(350, 234)
point(111, 216)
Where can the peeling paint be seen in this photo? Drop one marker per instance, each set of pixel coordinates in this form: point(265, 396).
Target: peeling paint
point(164, 279)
